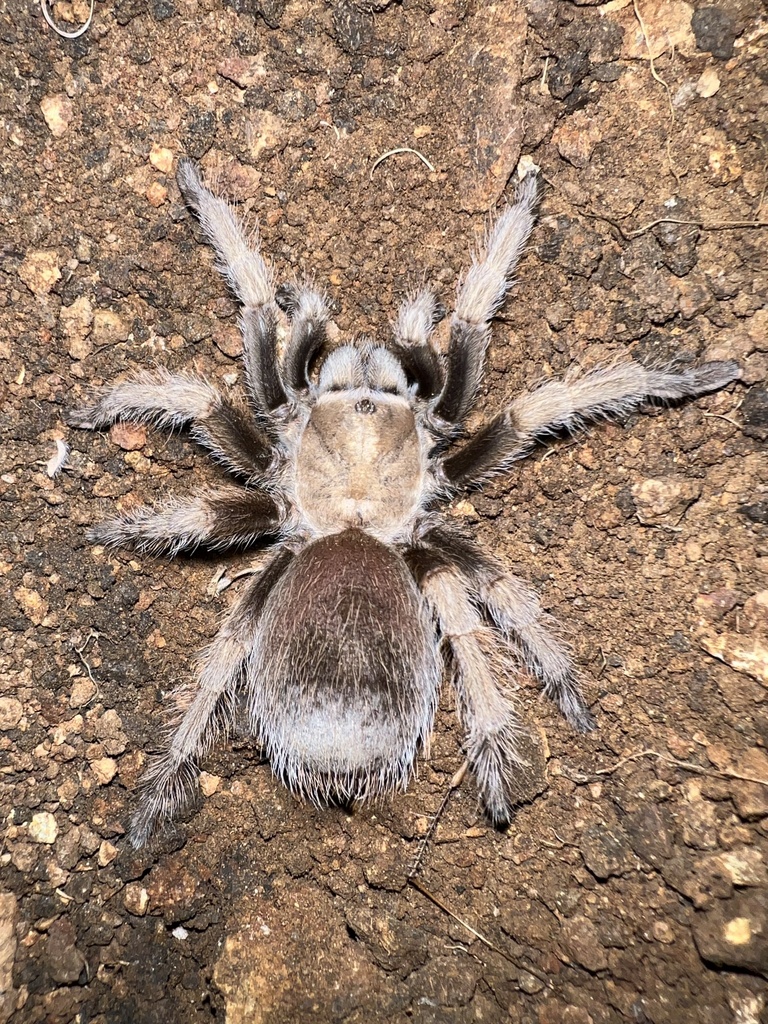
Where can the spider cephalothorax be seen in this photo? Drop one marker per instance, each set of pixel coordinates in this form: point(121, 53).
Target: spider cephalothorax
point(336, 646)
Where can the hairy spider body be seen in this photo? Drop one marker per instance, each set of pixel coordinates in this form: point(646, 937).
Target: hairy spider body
point(337, 644)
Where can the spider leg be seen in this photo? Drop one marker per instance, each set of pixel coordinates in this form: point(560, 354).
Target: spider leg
point(240, 261)
point(250, 278)
point(486, 708)
point(480, 295)
point(605, 392)
point(308, 312)
point(416, 320)
point(223, 518)
point(210, 713)
point(170, 400)
point(516, 611)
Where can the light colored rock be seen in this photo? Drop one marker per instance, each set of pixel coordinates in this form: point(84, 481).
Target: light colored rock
point(264, 132)
point(708, 84)
point(83, 692)
point(109, 729)
point(11, 711)
point(662, 932)
point(80, 348)
point(128, 436)
point(161, 159)
point(243, 71)
point(107, 853)
point(745, 866)
point(751, 798)
point(715, 605)
point(276, 960)
point(34, 606)
point(23, 856)
point(40, 271)
point(43, 828)
point(250, 993)
point(105, 769)
point(664, 499)
point(237, 180)
point(108, 328)
point(76, 320)
point(209, 784)
point(734, 932)
point(65, 731)
point(582, 944)
point(667, 29)
point(757, 329)
point(157, 194)
point(756, 613)
point(57, 111)
point(747, 654)
point(576, 138)
point(135, 899)
point(8, 916)
point(228, 340)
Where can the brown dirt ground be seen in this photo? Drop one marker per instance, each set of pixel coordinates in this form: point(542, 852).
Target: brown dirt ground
point(633, 888)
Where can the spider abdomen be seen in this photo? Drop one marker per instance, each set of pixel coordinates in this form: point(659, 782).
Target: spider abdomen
point(344, 676)
point(359, 464)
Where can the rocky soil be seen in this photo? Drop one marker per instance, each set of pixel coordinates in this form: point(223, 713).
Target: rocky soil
point(632, 885)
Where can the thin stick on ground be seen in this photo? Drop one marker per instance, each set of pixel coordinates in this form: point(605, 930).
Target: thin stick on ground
point(80, 652)
point(715, 773)
point(478, 935)
point(721, 225)
point(657, 77)
point(453, 785)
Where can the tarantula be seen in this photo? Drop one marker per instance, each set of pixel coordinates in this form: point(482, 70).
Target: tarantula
point(335, 649)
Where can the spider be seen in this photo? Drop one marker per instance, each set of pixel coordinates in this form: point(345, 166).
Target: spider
point(334, 651)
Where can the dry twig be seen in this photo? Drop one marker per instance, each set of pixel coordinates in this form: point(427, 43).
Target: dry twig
point(478, 935)
point(657, 77)
point(722, 225)
point(715, 773)
point(454, 784)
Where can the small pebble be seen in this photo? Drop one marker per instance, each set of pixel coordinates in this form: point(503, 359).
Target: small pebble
point(529, 983)
point(83, 691)
point(663, 933)
point(108, 328)
point(161, 158)
point(135, 899)
point(128, 436)
point(717, 604)
point(107, 853)
point(43, 828)
point(664, 498)
point(57, 111)
point(105, 769)
point(209, 784)
point(708, 84)
point(756, 612)
point(34, 606)
point(157, 194)
point(40, 271)
point(11, 711)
